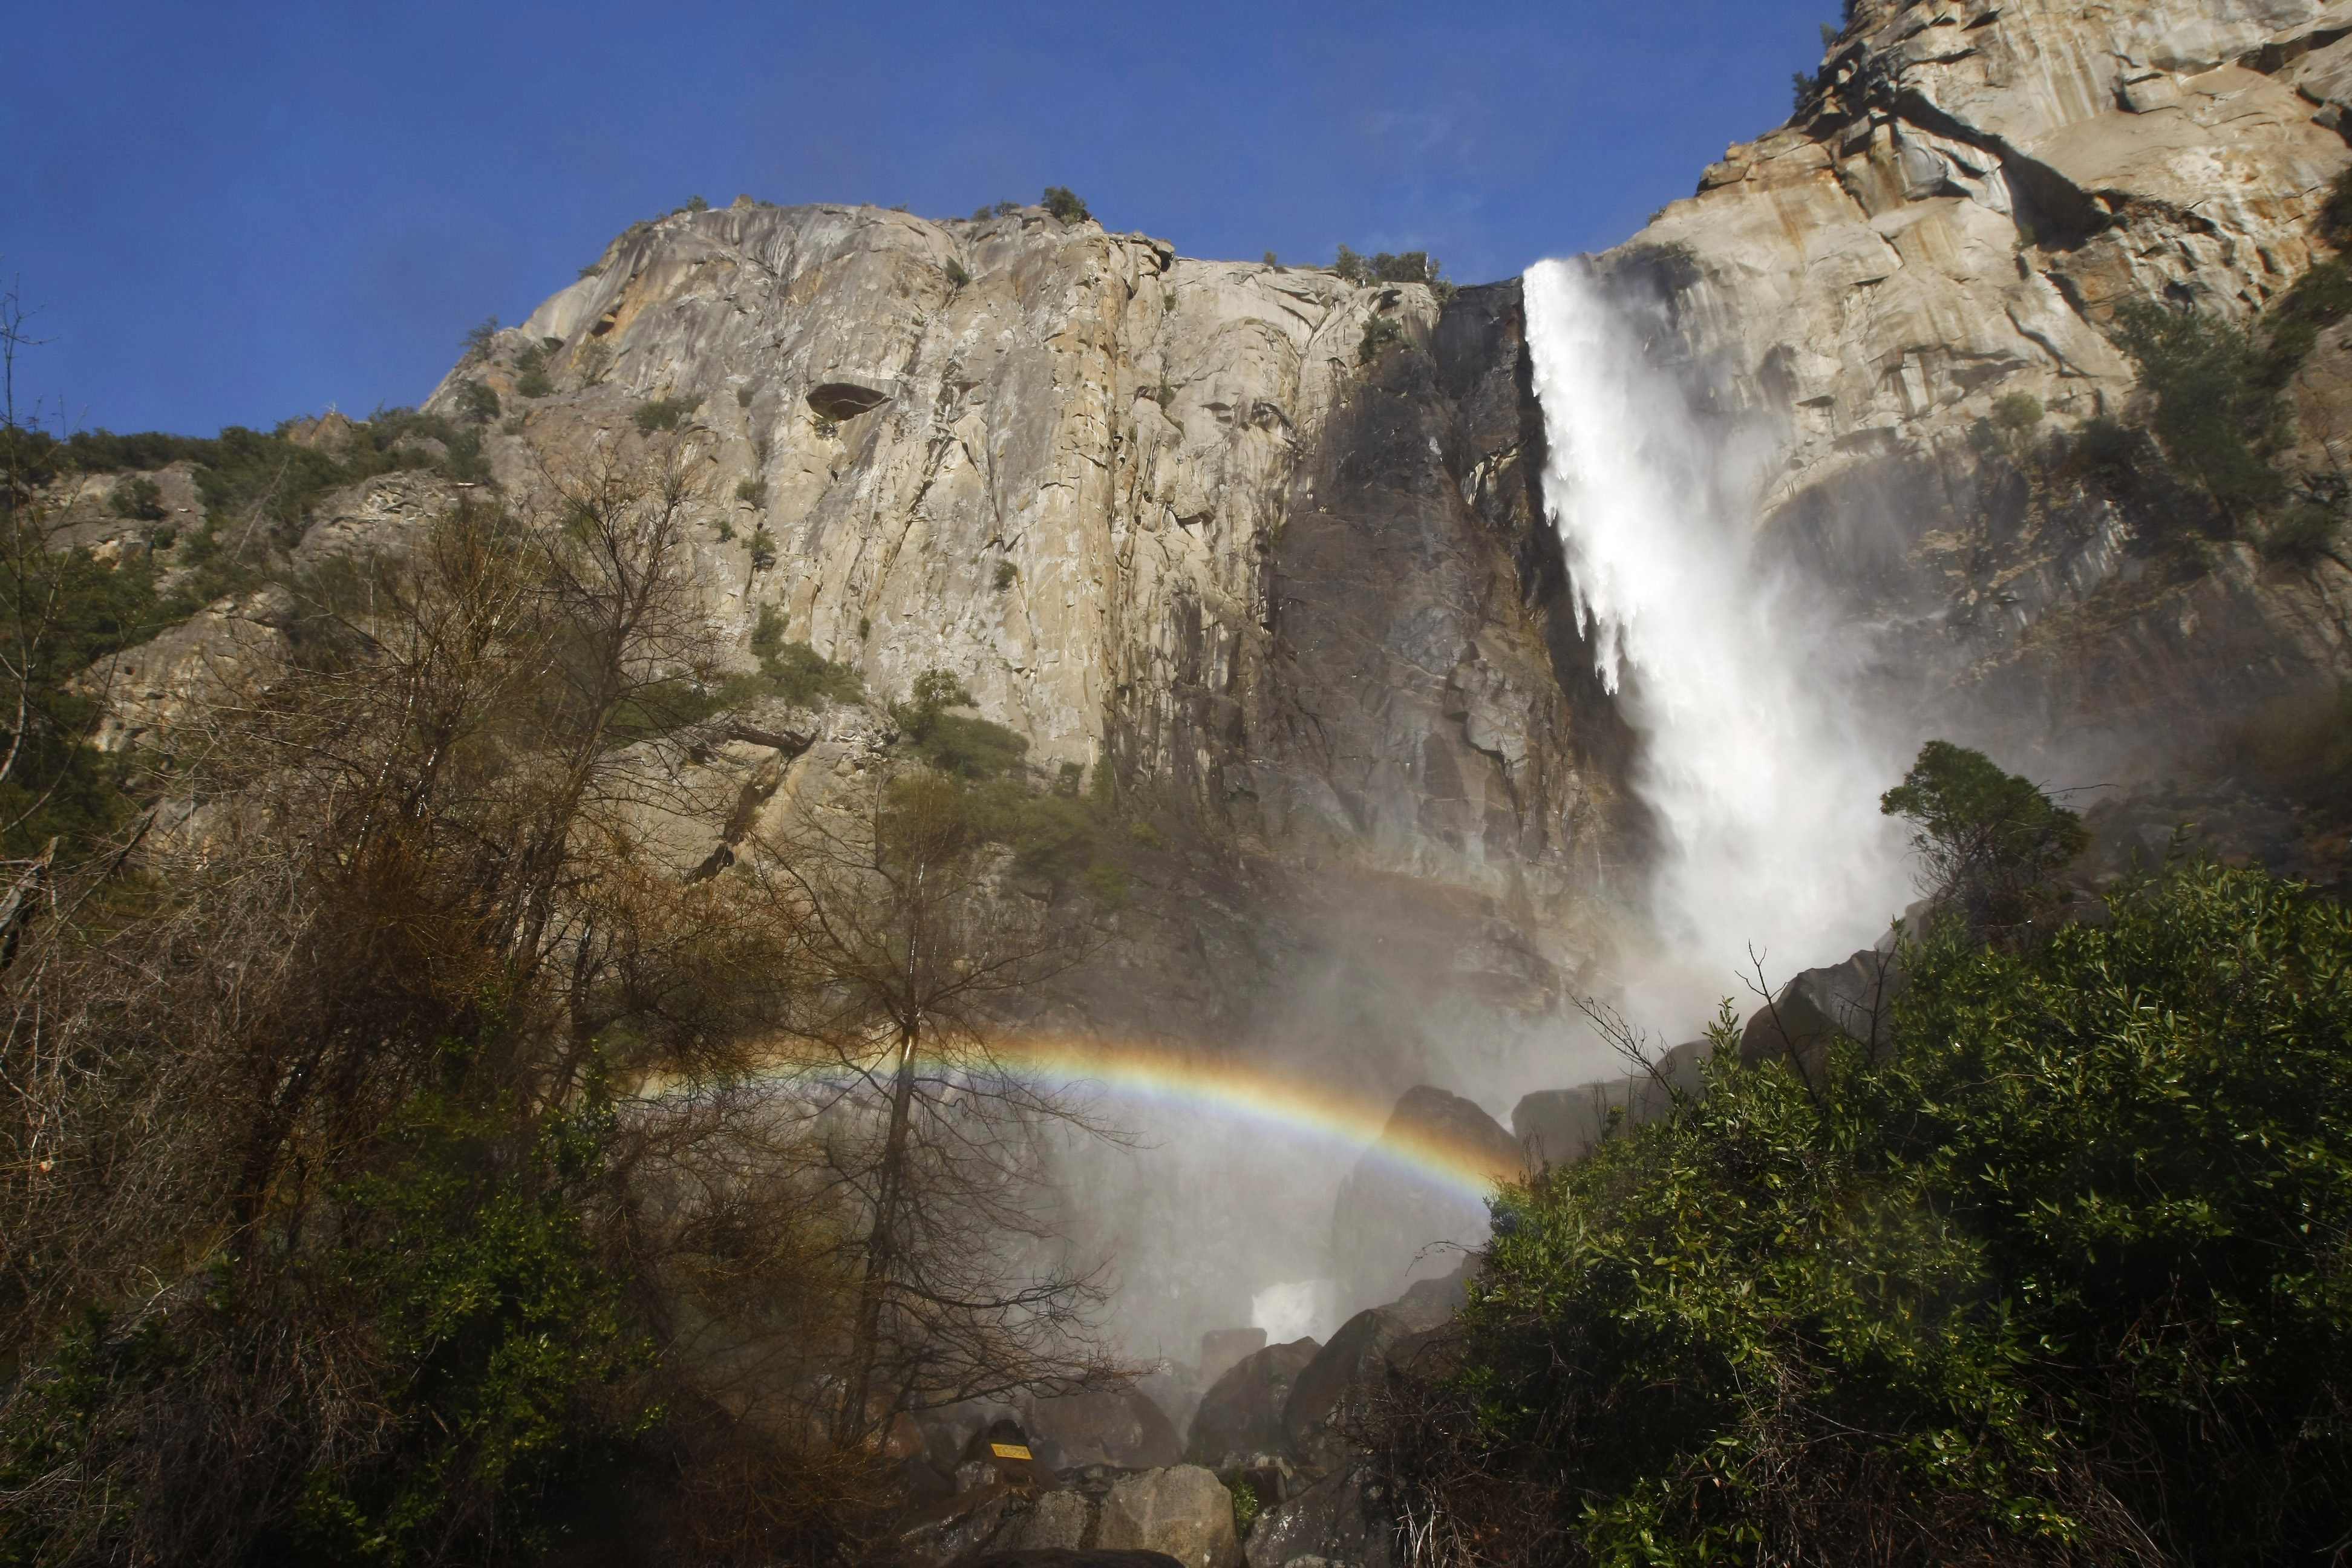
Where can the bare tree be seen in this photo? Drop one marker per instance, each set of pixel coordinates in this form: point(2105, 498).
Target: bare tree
point(912, 957)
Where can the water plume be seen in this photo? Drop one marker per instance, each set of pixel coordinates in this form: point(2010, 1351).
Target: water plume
point(1758, 758)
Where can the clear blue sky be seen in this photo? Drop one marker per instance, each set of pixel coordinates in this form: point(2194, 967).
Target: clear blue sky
point(228, 213)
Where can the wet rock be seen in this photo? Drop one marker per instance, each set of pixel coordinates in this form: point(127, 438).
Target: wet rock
point(1851, 1000)
point(1561, 1126)
point(1120, 1426)
point(1414, 1200)
point(1184, 1512)
point(1341, 1519)
point(1055, 1521)
point(1241, 1412)
point(1328, 1395)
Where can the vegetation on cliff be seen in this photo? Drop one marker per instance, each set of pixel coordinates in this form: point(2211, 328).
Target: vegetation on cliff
point(2060, 1275)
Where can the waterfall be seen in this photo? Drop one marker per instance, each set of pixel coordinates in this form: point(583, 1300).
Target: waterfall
point(1757, 758)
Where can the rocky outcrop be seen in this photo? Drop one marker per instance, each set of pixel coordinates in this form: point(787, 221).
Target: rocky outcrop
point(1417, 1198)
point(1241, 1413)
point(1965, 198)
point(1184, 1512)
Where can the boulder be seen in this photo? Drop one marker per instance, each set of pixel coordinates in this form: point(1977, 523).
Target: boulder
point(1561, 1126)
point(1818, 1005)
point(1222, 1350)
point(1119, 1426)
point(1064, 1557)
point(1341, 1519)
point(1416, 1198)
point(1241, 1412)
point(1330, 1390)
point(1057, 1521)
point(1183, 1510)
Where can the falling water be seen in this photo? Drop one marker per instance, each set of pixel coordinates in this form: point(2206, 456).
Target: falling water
point(1758, 759)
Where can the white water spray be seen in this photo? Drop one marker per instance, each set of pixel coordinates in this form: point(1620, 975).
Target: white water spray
point(1756, 759)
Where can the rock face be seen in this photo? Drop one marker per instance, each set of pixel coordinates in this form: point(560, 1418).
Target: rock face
point(1184, 1512)
point(1965, 198)
point(1418, 1197)
point(1241, 1413)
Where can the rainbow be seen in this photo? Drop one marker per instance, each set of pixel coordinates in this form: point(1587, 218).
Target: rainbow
point(1195, 1081)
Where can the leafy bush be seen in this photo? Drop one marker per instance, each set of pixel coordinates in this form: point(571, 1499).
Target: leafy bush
point(665, 412)
point(2218, 418)
point(1987, 841)
point(533, 384)
point(1063, 205)
point(764, 547)
point(468, 1251)
point(957, 275)
point(2063, 1278)
point(797, 672)
point(477, 402)
point(1004, 575)
point(2303, 535)
point(481, 338)
point(1381, 334)
point(139, 499)
point(2018, 414)
point(964, 748)
point(752, 492)
point(1405, 267)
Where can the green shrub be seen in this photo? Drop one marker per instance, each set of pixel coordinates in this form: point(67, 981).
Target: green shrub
point(2019, 414)
point(764, 547)
point(533, 384)
point(2303, 535)
point(963, 748)
point(1987, 841)
point(825, 427)
point(1381, 334)
point(1268, 260)
point(481, 338)
point(1063, 205)
point(139, 499)
point(752, 492)
point(1004, 575)
point(2291, 324)
point(665, 412)
point(477, 402)
point(695, 204)
point(957, 275)
point(2215, 415)
point(2335, 214)
point(2062, 1277)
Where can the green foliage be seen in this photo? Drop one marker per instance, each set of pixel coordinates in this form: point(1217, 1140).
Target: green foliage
point(796, 671)
point(1990, 840)
point(467, 1256)
point(481, 338)
point(1247, 1508)
point(957, 275)
point(2335, 214)
point(478, 402)
point(665, 412)
point(2217, 417)
point(59, 785)
point(2062, 1277)
point(1004, 575)
point(2303, 535)
point(1269, 260)
point(533, 384)
point(973, 750)
point(695, 204)
point(2018, 414)
point(2320, 297)
point(764, 547)
point(825, 427)
point(1405, 267)
point(1381, 334)
point(136, 498)
point(1063, 205)
point(752, 492)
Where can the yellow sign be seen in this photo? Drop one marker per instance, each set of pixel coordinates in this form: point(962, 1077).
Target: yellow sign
point(1009, 1451)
